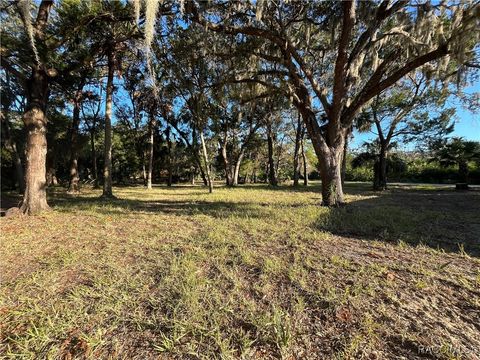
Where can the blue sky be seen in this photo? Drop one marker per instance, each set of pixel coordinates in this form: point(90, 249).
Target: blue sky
point(467, 124)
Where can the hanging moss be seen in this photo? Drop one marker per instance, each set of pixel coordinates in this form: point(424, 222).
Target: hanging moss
point(25, 6)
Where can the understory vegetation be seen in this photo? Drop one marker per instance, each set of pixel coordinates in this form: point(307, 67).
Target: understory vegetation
point(251, 272)
point(412, 168)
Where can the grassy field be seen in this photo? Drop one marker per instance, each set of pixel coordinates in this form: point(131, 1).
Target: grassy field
point(252, 273)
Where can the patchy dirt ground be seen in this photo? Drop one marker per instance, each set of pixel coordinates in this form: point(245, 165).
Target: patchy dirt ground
point(249, 273)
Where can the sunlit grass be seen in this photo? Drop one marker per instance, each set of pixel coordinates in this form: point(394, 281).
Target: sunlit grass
point(250, 272)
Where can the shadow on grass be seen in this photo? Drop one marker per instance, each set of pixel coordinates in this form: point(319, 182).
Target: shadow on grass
point(441, 219)
point(187, 204)
point(217, 209)
point(283, 187)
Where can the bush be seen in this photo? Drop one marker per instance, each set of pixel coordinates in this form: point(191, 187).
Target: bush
point(359, 174)
point(418, 170)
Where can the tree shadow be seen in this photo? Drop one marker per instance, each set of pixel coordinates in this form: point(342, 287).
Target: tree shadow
point(9, 200)
point(119, 206)
point(187, 204)
point(439, 218)
point(282, 187)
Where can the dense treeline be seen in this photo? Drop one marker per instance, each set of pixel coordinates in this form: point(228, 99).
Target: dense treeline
point(145, 92)
point(411, 167)
point(129, 166)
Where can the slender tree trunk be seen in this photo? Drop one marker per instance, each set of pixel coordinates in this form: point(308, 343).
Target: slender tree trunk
point(201, 169)
point(198, 161)
point(52, 167)
point(207, 164)
point(74, 181)
point(304, 159)
point(144, 168)
point(19, 177)
point(237, 167)
point(271, 163)
point(18, 169)
point(107, 167)
point(344, 161)
point(296, 154)
point(170, 160)
point(226, 165)
point(194, 174)
point(380, 172)
point(94, 159)
point(196, 155)
point(35, 120)
point(150, 152)
point(279, 156)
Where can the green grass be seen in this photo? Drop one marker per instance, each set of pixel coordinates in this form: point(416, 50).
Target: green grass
point(251, 272)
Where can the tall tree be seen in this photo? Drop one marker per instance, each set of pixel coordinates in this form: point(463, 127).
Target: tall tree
point(111, 32)
point(36, 86)
point(107, 152)
point(91, 114)
point(341, 55)
point(74, 181)
point(412, 111)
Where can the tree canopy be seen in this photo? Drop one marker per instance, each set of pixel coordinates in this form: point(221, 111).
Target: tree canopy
point(216, 77)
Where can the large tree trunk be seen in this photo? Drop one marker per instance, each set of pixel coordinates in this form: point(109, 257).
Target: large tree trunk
point(207, 164)
point(330, 173)
point(107, 167)
point(272, 176)
point(296, 154)
point(35, 120)
point(380, 170)
point(150, 152)
point(328, 143)
point(19, 177)
point(74, 181)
